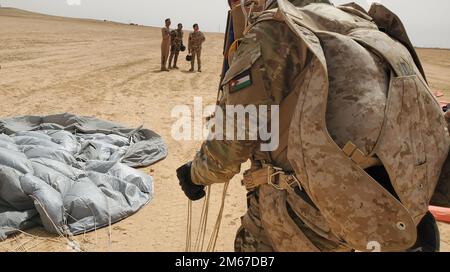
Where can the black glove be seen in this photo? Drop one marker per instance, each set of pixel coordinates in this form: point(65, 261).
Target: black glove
point(192, 191)
point(446, 108)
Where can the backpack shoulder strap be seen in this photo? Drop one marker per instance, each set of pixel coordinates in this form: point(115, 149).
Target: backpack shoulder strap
point(390, 23)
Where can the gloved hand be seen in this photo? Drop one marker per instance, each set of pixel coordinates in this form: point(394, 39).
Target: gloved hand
point(192, 191)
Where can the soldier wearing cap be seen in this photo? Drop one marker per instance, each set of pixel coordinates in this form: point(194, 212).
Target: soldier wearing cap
point(196, 39)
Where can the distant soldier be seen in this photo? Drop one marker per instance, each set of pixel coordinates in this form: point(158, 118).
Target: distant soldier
point(165, 45)
point(177, 43)
point(196, 40)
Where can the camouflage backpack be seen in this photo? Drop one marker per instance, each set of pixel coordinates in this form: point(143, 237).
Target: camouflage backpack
point(373, 179)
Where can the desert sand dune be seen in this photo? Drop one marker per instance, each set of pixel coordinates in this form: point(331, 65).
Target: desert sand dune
point(111, 71)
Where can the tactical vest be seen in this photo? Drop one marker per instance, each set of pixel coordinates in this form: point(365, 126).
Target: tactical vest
point(408, 138)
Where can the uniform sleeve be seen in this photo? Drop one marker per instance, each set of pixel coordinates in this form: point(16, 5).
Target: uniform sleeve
point(219, 160)
point(270, 55)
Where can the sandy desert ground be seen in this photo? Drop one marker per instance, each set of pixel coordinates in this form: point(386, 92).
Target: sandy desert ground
point(111, 71)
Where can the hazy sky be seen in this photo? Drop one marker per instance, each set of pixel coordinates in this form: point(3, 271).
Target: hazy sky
point(427, 22)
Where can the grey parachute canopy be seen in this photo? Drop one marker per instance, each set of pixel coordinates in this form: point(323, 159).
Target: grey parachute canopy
point(72, 174)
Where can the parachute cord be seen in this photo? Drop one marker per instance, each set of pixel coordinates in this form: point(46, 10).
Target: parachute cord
point(215, 234)
point(244, 12)
point(199, 244)
point(189, 228)
point(70, 242)
point(204, 221)
point(196, 246)
point(247, 14)
point(201, 232)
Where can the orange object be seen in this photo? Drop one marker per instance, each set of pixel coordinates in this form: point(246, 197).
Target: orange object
point(441, 214)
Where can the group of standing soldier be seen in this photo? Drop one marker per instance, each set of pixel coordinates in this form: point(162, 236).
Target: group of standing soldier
point(172, 44)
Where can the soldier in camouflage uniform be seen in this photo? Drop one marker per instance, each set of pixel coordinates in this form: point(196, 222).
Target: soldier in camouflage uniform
point(177, 43)
point(196, 39)
point(277, 61)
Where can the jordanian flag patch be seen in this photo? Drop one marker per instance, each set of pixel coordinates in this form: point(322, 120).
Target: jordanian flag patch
point(241, 81)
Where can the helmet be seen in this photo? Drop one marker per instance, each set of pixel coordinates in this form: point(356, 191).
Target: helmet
point(188, 57)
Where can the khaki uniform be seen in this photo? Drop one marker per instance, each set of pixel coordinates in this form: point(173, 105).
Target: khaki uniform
point(165, 47)
point(177, 42)
point(278, 62)
point(196, 39)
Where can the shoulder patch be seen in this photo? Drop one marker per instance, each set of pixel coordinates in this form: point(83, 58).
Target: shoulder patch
point(247, 55)
point(241, 81)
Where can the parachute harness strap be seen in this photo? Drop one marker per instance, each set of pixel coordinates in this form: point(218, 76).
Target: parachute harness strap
point(198, 246)
point(358, 156)
point(247, 14)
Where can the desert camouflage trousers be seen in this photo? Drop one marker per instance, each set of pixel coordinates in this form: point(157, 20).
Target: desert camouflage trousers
point(254, 239)
point(197, 53)
point(245, 242)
